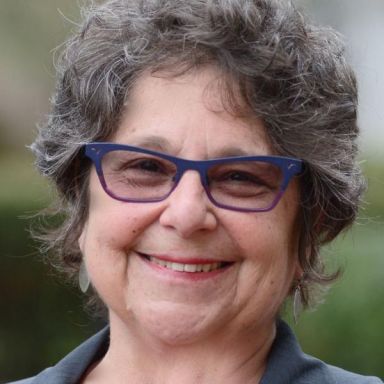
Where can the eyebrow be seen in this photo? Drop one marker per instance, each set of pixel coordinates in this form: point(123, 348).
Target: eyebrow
point(161, 144)
point(233, 152)
point(156, 143)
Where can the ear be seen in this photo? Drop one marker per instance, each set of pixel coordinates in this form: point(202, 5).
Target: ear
point(298, 272)
point(82, 238)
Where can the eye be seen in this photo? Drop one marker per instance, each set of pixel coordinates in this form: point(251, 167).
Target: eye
point(147, 165)
point(249, 174)
point(239, 177)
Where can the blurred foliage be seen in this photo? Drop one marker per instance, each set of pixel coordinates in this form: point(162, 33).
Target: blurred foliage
point(29, 33)
point(373, 209)
point(42, 316)
point(29, 29)
point(346, 330)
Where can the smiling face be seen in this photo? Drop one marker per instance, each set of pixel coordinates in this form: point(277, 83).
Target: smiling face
point(232, 270)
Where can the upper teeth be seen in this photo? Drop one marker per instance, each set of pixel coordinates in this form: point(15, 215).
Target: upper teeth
point(185, 267)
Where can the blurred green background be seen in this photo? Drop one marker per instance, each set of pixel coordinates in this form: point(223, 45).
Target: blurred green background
point(42, 318)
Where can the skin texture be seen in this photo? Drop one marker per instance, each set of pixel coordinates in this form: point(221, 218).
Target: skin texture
point(166, 327)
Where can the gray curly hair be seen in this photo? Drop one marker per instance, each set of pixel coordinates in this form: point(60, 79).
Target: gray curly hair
point(291, 74)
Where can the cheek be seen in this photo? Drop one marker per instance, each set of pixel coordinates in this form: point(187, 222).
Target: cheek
point(104, 244)
point(269, 265)
point(263, 235)
point(110, 221)
point(268, 244)
point(113, 224)
point(116, 230)
point(111, 231)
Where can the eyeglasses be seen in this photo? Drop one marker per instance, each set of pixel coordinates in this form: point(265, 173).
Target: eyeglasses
point(138, 175)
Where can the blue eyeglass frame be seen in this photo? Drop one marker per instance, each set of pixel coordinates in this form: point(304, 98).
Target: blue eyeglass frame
point(289, 166)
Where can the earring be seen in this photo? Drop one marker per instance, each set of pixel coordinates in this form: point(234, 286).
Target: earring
point(297, 301)
point(83, 278)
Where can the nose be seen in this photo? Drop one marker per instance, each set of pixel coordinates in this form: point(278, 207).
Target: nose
point(188, 209)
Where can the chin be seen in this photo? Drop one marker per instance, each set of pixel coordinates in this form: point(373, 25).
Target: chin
point(176, 326)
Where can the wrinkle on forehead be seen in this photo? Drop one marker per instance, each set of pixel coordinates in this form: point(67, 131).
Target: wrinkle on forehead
point(198, 92)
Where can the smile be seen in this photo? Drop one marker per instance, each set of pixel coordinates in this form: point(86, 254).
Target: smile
point(191, 268)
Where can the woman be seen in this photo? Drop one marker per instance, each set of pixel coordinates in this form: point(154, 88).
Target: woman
point(204, 151)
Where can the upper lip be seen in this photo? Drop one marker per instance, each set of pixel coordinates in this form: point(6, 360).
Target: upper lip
point(183, 260)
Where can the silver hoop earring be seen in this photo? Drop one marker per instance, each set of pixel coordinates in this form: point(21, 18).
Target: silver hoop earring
point(297, 302)
point(84, 281)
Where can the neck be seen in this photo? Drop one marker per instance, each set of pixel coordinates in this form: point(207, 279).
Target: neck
point(137, 357)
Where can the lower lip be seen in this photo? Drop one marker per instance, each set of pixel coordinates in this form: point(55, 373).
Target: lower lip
point(192, 276)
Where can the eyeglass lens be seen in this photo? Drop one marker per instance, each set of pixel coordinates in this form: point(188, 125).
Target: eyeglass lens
point(130, 175)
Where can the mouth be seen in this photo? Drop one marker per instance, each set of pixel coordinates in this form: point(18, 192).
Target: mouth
point(198, 266)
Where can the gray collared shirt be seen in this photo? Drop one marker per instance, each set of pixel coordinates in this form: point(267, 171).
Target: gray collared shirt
point(287, 364)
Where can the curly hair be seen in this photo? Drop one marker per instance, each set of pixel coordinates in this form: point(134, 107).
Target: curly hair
point(290, 73)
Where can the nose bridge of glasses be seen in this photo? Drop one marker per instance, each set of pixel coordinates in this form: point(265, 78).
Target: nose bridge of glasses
point(184, 165)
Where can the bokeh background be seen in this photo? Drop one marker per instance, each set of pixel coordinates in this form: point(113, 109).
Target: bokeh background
point(42, 317)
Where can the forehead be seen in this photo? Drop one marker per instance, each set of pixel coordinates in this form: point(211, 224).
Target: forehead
point(187, 110)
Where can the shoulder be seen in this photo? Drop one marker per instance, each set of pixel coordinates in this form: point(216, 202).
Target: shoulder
point(340, 376)
point(72, 367)
point(287, 364)
point(315, 371)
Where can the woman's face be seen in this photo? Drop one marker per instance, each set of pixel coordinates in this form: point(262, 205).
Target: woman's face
point(184, 117)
